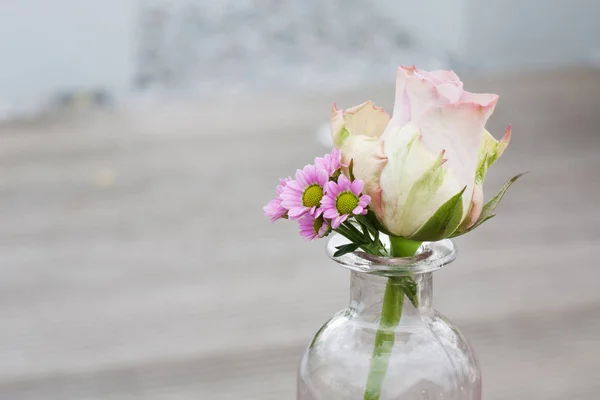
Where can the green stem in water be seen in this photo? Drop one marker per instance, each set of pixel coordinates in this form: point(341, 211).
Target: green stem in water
point(391, 312)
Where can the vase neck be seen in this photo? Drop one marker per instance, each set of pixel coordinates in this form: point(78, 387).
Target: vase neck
point(367, 290)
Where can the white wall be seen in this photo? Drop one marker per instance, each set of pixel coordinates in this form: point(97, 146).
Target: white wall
point(496, 34)
point(51, 45)
point(515, 33)
point(436, 26)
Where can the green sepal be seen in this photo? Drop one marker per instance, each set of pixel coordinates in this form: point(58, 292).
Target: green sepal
point(488, 209)
point(444, 222)
point(482, 169)
point(351, 170)
point(335, 175)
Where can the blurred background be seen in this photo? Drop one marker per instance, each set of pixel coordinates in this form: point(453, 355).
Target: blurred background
point(139, 140)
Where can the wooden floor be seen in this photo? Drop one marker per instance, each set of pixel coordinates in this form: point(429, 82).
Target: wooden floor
point(135, 262)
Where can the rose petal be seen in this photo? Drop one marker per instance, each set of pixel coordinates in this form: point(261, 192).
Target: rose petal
point(414, 184)
point(402, 109)
point(423, 95)
point(366, 119)
point(337, 125)
point(456, 129)
point(450, 91)
point(368, 163)
point(482, 99)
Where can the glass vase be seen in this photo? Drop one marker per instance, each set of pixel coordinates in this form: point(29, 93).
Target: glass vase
point(423, 356)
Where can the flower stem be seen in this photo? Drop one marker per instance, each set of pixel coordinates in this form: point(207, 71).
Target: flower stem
point(401, 247)
point(391, 312)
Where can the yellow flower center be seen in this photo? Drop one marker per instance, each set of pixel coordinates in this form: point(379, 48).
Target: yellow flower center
point(312, 196)
point(346, 202)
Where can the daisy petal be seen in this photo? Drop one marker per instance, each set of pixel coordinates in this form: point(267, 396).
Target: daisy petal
point(330, 213)
point(333, 188)
point(364, 200)
point(343, 183)
point(301, 178)
point(357, 187)
point(358, 210)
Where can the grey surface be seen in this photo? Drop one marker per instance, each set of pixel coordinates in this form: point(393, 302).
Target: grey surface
point(135, 262)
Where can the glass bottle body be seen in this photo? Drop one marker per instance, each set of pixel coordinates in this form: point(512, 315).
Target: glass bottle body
point(429, 358)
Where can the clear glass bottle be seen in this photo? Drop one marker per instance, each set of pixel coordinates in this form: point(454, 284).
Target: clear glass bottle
point(429, 357)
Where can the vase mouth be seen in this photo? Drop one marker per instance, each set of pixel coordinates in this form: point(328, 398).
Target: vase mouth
point(430, 257)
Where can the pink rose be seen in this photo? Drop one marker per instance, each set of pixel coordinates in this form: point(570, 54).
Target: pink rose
point(425, 166)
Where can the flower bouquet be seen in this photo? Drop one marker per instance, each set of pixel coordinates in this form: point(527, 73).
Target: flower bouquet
point(395, 189)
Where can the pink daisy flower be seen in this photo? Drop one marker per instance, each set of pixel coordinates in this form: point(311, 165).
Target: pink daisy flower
point(312, 228)
point(274, 209)
point(330, 162)
point(304, 194)
point(343, 199)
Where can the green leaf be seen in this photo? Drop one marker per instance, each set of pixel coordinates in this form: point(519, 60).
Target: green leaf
point(444, 222)
point(346, 248)
point(365, 230)
point(366, 222)
point(488, 209)
point(371, 218)
point(408, 285)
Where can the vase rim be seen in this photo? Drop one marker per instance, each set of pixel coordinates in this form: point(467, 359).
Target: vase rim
point(430, 257)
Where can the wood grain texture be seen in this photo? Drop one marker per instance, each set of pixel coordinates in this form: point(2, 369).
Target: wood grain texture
point(135, 262)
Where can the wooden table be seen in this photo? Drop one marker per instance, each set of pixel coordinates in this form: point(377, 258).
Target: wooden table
point(135, 262)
